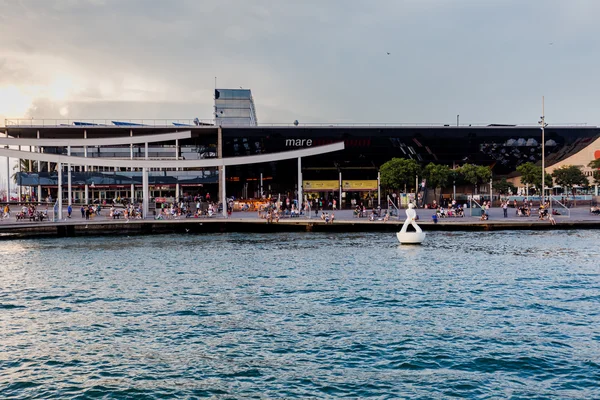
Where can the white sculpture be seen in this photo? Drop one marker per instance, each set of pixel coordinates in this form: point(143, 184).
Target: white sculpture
point(405, 237)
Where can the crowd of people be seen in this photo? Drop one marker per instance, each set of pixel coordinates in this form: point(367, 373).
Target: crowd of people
point(273, 210)
point(28, 212)
point(188, 209)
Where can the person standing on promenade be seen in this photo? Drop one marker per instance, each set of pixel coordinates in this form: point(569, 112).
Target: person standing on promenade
point(82, 212)
point(69, 211)
point(505, 209)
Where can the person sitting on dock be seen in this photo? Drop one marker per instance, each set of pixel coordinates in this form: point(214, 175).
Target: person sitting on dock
point(542, 213)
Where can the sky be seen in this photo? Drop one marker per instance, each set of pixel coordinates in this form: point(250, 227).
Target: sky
point(489, 61)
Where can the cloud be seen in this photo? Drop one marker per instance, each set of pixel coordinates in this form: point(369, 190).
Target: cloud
point(316, 60)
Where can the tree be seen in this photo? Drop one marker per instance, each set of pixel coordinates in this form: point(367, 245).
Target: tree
point(531, 174)
point(528, 172)
point(475, 174)
point(24, 166)
point(504, 187)
point(398, 172)
point(595, 164)
point(596, 177)
point(569, 176)
point(436, 175)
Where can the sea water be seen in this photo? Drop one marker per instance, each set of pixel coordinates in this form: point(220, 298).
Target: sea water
point(301, 315)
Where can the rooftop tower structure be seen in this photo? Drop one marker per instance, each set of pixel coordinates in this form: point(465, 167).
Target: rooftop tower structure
point(234, 107)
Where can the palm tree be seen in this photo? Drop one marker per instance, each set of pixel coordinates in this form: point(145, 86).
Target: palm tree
point(23, 166)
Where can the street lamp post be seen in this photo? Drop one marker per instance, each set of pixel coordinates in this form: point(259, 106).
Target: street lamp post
point(543, 124)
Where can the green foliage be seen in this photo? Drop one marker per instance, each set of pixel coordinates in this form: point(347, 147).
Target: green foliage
point(504, 187)
point(399, 172)
point(531, 174)
point(528, 172)
point(437, 175)
point(475, 174)
point(570, 175)
point(596, 177)
point(484, 174)
point(595, 164)
point(469, 173)
point(23, 166)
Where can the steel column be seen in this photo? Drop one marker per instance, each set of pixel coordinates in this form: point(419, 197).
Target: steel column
point(340, 190)
point(39, 188)
point(131, 169)
point(59, 192)
point(378, 189)
point(223, 185)
point(69, 187)
point(299, 184)
point(85, 168)
point(146, 197)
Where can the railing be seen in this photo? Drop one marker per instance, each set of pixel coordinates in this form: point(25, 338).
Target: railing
point(471, 207)
point(208, 123)
point(109, 123)
point(563, 207)
point(393, 207)
point(55, 211)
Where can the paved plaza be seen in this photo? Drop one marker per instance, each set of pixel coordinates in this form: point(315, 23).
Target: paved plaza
point(573, 215)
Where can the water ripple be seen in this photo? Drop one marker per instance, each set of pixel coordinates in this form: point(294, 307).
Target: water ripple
point(301, 315)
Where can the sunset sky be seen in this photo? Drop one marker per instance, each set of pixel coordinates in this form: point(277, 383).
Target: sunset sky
point(315, 61)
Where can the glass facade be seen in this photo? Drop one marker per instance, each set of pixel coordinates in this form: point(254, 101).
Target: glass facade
point(234, 107)
point(80, 179)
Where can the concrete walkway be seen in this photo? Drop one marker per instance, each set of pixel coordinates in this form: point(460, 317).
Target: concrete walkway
point(345, 221)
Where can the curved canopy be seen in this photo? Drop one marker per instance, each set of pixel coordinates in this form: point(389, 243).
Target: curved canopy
point(111, 141)
point(206, 163)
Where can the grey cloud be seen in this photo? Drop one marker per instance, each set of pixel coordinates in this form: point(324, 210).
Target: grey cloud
point(487, 61)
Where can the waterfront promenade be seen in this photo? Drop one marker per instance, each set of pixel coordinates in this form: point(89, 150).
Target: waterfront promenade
point(345, 220)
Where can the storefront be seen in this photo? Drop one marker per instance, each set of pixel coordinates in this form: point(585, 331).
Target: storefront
point(353, 192)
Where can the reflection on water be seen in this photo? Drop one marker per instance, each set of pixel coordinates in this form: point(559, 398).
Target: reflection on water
point(499, 314)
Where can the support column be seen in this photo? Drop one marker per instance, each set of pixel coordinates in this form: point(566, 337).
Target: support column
point(176, 152)
point(7, 174)
point(146, 197)
point(378, 189)
point(340, 190)
point(223, 185)
point(131, 158)
point(39, 187)
point(453, 190)
point(221, 169)
point(491, 194)
point(69, 186)
point(85, 168)
point(19, 169)
point(30, 170)
point(300, 195)
point(261, 186)
point(59, 193)
point(177, 169)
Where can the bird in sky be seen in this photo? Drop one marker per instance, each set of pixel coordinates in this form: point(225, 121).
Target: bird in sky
point(551, 43)
point(388, 53)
